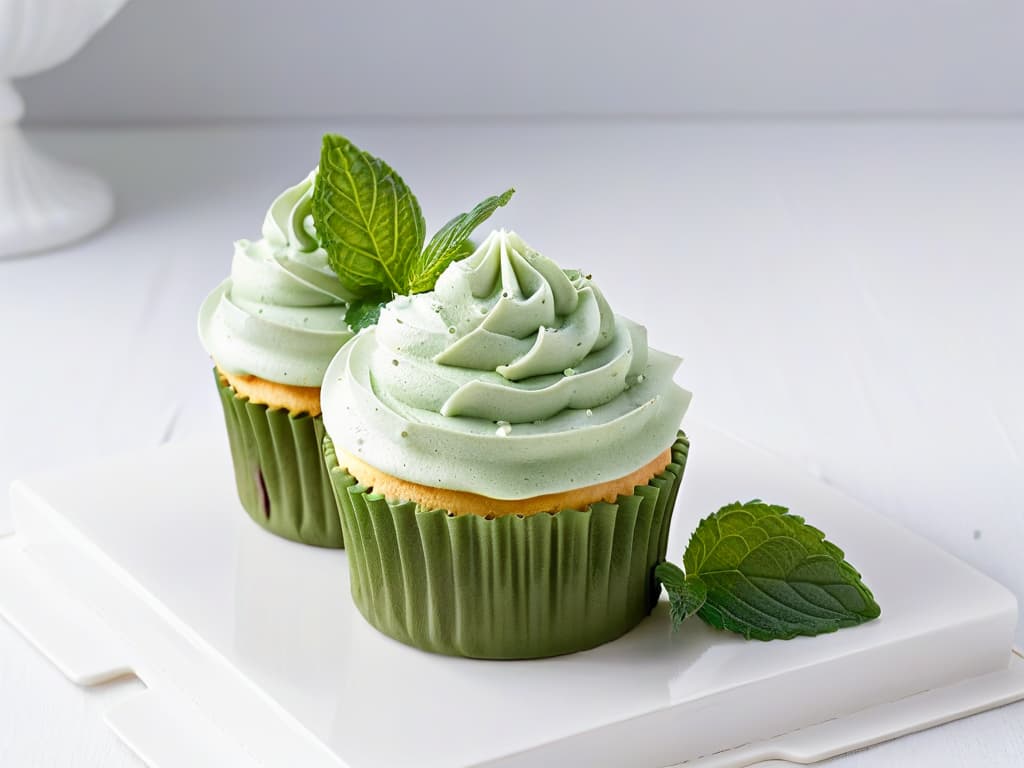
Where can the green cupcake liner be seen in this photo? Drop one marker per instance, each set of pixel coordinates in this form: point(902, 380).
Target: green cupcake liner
point(511, 587)
point(279, 470)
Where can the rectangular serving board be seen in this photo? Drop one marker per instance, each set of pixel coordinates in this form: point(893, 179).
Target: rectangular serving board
point(254, 655)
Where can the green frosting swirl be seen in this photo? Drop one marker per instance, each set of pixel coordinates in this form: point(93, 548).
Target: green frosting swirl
point(513, 378)
point(507, 335)
point(281, 314)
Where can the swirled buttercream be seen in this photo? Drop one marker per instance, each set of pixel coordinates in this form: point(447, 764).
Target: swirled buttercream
point(281, 314)
point(511, 379)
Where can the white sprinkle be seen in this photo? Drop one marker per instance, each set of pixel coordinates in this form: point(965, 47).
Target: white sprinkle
point(504, 429)
point(589, 412)
point(569, 372)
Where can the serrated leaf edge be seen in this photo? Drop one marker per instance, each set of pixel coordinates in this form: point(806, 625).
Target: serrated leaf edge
point(710, 608)
point(334, 157)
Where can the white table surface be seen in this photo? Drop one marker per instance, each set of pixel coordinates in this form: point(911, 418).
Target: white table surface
point(848, 294)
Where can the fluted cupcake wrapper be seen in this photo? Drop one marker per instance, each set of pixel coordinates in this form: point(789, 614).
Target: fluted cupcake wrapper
point(508, 587)
point(279, 470)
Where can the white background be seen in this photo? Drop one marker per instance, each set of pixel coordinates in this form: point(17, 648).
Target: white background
point(846, 288)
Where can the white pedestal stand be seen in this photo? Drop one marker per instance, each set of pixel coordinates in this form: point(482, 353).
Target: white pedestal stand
point(44, 203)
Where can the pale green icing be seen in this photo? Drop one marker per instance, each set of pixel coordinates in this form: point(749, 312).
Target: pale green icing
point(281, 314)
point(511, 379)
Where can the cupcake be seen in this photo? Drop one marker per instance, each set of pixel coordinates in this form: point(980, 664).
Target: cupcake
point(272, 328)
point(506, 455)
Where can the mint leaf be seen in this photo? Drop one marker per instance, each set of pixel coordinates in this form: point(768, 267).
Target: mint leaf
point(367, 219)
point(449, 244)
point(769, 575)
point(362, 313)
point(686, 595)
point(465, 249)
point(372, 228)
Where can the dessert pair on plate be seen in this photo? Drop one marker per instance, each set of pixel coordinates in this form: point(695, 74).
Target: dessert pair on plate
point(501, 449)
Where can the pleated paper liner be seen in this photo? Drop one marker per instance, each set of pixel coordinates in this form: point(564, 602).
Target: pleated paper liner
point(279, 470)
point(511, 587)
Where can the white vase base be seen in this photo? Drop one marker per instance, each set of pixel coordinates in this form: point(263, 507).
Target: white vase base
point(44, 203)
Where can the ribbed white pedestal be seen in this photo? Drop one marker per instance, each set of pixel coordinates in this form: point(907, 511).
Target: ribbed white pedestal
point(44, 203)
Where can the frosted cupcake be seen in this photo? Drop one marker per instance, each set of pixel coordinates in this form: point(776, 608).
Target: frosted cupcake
point(506, 456)
point(271, 329)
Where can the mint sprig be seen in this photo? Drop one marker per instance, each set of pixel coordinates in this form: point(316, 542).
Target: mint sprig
point(764, 573)
point(450, 241)
point(370, 224)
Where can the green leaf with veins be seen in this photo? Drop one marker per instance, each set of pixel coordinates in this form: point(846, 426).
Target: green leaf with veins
point(685, 595)
point(367, 219)
point(467, 247)
point(371, 226)
point(362, 313)
point(769, 575)
point(451, 243)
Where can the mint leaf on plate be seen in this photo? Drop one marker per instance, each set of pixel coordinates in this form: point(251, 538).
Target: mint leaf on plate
point(685, 596)
point(769, 575)
point(367, 219)
point(450, 243)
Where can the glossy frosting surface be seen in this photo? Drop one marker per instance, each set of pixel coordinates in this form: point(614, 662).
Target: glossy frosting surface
point(513, 378)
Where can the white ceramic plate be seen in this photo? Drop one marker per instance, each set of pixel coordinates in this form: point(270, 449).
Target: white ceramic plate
point(253, 653)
